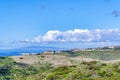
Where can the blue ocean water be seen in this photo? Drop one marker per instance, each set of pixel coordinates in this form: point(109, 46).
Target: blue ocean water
point(28, 50)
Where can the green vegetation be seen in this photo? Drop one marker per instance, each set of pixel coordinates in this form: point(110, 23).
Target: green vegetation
point(85, 71)
point(94, 70)
point(5, 67)
point(101, 54)
point(105, 55)
point(10, 70)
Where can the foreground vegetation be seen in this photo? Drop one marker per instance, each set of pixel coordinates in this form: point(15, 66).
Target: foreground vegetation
point(94, 70)
point(10, 70)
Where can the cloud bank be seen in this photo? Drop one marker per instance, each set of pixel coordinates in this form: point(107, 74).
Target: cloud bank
point(78, 35)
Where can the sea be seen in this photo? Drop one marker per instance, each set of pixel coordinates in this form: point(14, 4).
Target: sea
point(28, 50)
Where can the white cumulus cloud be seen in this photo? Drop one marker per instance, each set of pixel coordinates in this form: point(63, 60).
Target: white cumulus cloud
point(79, 35)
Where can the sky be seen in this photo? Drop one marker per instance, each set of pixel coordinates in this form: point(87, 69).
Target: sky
point(58, 22)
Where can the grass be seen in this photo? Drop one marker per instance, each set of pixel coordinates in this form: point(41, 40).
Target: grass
point(105, 55)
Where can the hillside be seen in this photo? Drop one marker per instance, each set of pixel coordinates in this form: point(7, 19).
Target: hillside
point(78, 65)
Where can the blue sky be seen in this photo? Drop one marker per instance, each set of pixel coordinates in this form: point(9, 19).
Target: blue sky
point(27, 19)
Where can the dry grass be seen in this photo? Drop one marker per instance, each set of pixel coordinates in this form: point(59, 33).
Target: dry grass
point(56, 60)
